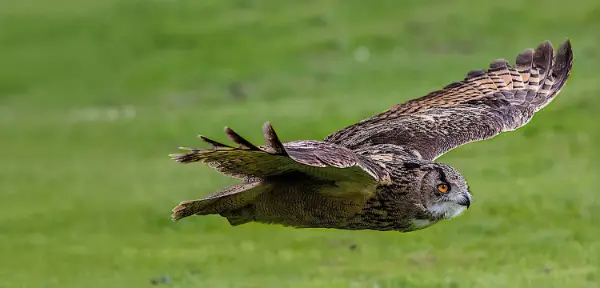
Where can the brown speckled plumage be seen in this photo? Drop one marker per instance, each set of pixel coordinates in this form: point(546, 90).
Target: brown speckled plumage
point(380, 173)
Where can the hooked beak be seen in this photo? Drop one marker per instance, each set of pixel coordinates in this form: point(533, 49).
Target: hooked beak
point(465, 200)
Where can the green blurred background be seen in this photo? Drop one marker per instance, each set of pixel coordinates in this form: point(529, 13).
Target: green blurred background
point(94, 95)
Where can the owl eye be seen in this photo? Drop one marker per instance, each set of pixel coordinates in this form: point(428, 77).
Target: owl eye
point(442, 188)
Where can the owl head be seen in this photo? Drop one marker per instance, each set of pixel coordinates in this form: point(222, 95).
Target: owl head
point(443, 191)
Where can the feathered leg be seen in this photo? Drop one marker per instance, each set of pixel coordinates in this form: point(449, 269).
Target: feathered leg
point(223, 201)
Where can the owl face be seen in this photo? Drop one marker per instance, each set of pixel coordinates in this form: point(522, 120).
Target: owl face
point(445, 192)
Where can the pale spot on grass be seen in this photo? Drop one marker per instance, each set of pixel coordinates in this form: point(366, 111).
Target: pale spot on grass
point(362, 54)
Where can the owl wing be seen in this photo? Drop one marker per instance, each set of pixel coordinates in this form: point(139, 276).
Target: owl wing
point(333, 171)
point(483, 105)
point(321, 160)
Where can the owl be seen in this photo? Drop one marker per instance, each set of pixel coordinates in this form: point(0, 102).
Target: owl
point(380, 173)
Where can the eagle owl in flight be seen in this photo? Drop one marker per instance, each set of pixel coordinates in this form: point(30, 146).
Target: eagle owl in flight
point(380, 173)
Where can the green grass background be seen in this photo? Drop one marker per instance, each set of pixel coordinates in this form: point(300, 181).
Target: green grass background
point(94, 95)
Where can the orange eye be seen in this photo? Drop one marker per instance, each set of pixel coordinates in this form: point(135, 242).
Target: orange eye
point(442, 188)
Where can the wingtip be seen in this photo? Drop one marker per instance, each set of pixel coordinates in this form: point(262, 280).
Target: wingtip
point(174, 156)
point(272, 140)
point(214, 144)
point(267, 128)
point(565, 47)
point(563, 64)
point(498, 64)
point(180, 157)
point(564, 59)
point(545, 46)
point(525, 58)
point(237, 139)
point(232, 135)
point(543, 57)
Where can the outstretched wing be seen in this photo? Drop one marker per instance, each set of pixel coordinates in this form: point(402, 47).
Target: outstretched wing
point(483, 105)
point(321, 160)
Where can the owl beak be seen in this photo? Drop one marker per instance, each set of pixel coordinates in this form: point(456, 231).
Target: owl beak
point(465, 200)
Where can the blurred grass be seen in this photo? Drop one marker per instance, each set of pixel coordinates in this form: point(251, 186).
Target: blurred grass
point(94, 94)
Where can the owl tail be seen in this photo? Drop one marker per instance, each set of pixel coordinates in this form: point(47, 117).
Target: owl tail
point(229, 202)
